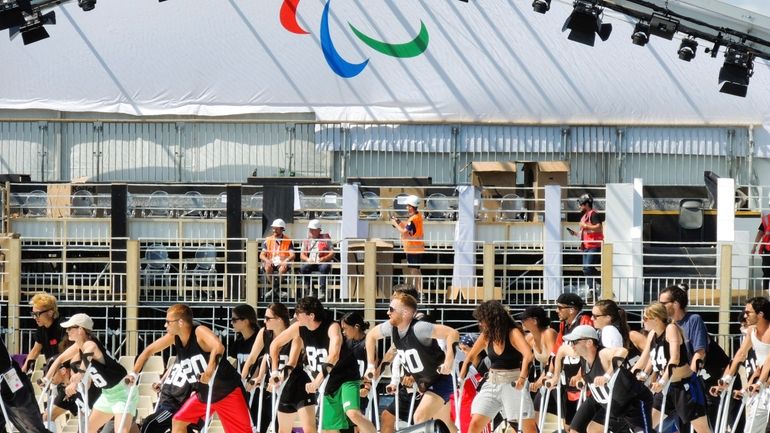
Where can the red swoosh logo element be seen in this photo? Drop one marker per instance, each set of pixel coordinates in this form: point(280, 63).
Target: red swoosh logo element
point(289, 17)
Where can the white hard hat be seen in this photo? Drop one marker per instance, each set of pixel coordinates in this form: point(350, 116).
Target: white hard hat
point(314, 225)
point(278, 223)
point(412, 200)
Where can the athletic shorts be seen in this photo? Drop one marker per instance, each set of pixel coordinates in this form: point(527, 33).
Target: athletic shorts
point(232, 411)
point(414, 260)
point(568, 408)
point(504, 397)
point(442, 387)
point(294, 396)
point(115, 400)
point(345, 398)
point(687, 398)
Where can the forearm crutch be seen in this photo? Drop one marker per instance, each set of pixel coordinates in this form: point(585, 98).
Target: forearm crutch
point(663, 405)
point(207, 420)
point(560, 423)
point(610, 391)
point(276, 399)
point(744, 399)
point(8, 424)
point(411, 405)
point(128, 401)
point(545, 394)
point(724, 407)
point(457, 399)
point(321, 390)
point(759, 399)
point(259, 403)
point(524, 389)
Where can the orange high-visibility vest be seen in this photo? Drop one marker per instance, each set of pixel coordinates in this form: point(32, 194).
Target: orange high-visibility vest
point(590, 238)
point(280, 246)
point(764, 243)
point(413, 244)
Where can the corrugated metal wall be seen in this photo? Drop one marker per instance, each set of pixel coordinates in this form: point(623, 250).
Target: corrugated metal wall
point(158, 151)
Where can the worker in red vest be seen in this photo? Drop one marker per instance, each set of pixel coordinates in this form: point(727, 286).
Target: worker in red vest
point(591, 237)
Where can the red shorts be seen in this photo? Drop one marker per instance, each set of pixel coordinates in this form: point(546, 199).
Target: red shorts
point(232, 411)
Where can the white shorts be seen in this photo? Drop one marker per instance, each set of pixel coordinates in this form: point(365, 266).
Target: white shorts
point(503, 397)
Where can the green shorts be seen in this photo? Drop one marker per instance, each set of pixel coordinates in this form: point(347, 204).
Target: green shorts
point(335, 405)
point(115, 400)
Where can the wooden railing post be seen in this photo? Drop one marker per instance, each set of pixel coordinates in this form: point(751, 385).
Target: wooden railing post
point(132, 297)
point(606, 271)
point(725, 287)
point(252, 269)
point(489, 271)
point(370, 280)
point(12, 245)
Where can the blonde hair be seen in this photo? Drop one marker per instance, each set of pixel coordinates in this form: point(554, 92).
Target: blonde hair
point(44, 301)
point(658, 311)
point(406, 300)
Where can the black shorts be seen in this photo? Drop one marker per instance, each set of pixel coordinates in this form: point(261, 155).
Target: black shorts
point(294, 396)
point(687, 398)
point(404, 402)
point(568, 408)
point(635, 415)
point(414, 260)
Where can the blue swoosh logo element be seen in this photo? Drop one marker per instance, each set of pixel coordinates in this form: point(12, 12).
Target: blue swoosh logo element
point(339, 65)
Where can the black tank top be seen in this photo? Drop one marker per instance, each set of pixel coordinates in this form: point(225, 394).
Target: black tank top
point(358, 347)
point(591, 372)
point(660, 353)
point(750, 364)
point(317, 353)
point(571, 364)
point(105, 374)
point(194, 361)
point(510, 359)
point(422, 362)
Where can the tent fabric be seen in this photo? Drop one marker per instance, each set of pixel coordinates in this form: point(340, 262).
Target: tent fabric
point(485, 60)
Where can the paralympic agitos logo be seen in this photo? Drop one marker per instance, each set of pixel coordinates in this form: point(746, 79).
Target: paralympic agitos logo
point(339, 65)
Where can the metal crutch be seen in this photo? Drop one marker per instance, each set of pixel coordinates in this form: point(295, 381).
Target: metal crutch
point(259, 404)
point(207, 420)
point(724, 407)
point(128, 401)
point(560, 427)
point(411, 405)
point(744, 398)
point(545, 394)
point(457, 399)
point(663, 405)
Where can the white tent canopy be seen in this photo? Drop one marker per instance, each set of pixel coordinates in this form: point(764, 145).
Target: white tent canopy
point(486, 60)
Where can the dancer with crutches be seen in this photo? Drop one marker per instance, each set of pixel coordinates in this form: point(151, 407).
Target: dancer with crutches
point(421, 356)
point(199, 352)
point(754, 348)
point(286, 394)
point(329, 358)
point(16, 397)
point(667, 354)
point(616, 397)
point(510, 356)
point(354, 330)
point(91, 362)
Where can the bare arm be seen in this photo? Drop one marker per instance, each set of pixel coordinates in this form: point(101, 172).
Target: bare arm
point(154, 347)
point(67, 355)
point(443, 332)
point(470, 358)
point(518, 341)
point(641, 363)
point(32, 356)
point(371, 350)
point(256, 349)
point(281, 340)
point(209, 342)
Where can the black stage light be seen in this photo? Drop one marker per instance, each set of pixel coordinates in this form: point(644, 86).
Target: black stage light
point(11, 18)
point(541, 6)
point(641, 34)
point(87, 5)
point(432, 426)
point(585, 23)
point(736, 71)
point(33, 31)
point(687, 49)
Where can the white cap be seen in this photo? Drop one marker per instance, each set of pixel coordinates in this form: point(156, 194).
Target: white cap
point(582, 332)
point(80, 319)
point(278, 223)
point(412, 200)
point(314, 225)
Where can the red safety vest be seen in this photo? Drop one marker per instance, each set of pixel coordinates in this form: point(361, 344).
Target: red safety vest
point(764, 243)
point(590, 238)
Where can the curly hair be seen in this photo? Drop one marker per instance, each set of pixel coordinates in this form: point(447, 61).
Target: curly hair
point(496, 320)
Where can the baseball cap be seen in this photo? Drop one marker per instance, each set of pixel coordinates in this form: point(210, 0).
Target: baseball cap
point(581, 333)
point(314, 225)
point(571, 300)
point(80, 319)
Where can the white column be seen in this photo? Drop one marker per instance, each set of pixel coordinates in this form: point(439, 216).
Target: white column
point(464, 272)
point(726, 233)
point(351, 229)
point(552, 244)
point(622, 228)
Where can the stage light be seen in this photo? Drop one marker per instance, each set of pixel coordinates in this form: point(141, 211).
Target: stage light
point(687, 49)
point(736, 71)
point(585, 23)
point(541, 6)
point(33, 31)
point(641, 34)
point(87, 5)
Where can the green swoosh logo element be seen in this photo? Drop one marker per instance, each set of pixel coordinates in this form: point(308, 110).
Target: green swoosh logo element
point(413, 48)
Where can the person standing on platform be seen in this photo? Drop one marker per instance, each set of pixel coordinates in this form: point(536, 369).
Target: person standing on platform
point(412, 237)
point(591, 237)
point(762, 247)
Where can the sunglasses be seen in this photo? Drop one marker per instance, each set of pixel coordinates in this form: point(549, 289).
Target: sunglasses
point(595, 316)
point(37, 314)
point(171, 321)
point(237, 319)
point(268, 318)
point(392, 310)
